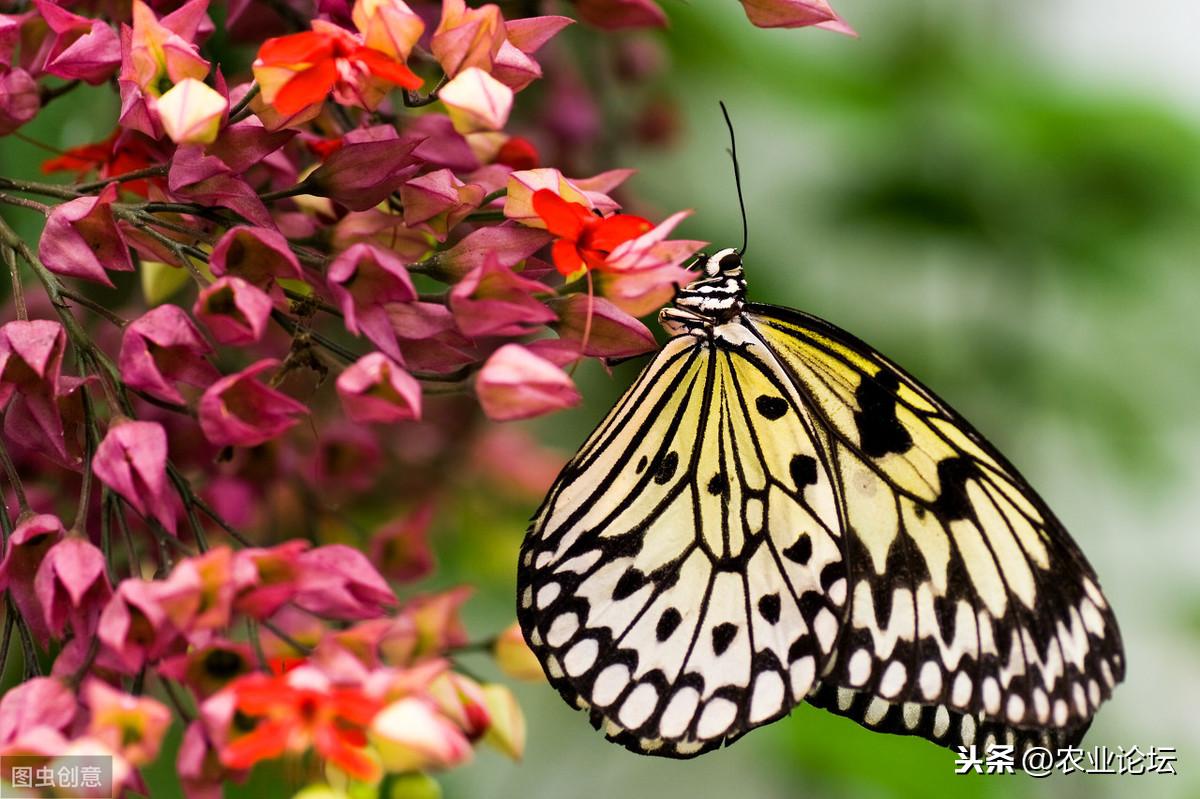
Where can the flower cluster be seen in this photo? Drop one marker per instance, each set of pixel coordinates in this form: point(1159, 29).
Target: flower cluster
point(265, 294)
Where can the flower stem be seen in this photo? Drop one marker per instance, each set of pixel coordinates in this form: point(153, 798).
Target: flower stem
point(14, 480)
point(18, 288)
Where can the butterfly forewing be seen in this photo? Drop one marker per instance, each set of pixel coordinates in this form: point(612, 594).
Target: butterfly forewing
point(684, 579)
point(965, 590)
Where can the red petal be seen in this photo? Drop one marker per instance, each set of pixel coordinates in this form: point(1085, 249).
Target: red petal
point(383, 66)
point(266, 741)
point(299, 48)
point(310, 86)
point(566, 257)
point(563, 219)
point(354, 706)
point(338, 748)
point(518, 153)
point(615, 230)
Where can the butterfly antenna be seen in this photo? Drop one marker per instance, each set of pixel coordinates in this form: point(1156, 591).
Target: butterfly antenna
point(737, 177)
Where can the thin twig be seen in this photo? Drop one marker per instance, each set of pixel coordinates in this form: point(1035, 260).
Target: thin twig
point(158, 171)
point(242, 109)
point(95, 306)
point(23, 202)
point(14, 478)
point(18, 288)
point(90, 436)
point(300, 648)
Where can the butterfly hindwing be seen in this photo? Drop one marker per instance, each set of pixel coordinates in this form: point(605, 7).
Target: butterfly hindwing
point(682, 579)
point(965, 591)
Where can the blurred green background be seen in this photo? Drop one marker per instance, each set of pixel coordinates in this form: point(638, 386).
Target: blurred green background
point(1005, 198)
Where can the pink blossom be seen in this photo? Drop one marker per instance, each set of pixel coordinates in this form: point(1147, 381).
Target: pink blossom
point(362, 280)
point(132, 461)
point(516, 384)
point(197, 177)
point(795, 14)
point(513, 65)
point(81, 239)
point(198, 595)
point(339, 582)
point(599, 328)
point(476, 101)
point(234, 311)
point(401, 546)
point(27, 548)
point(244, 144)
point(60, 441)
point(429, 337)
point(591, 193)
point(72, 586)
point(437, 201)
point(163, 347)
point(411, 735)
point(209, 668)
point(133, 626)
point(467, 37)
point(81, 48)
point(39, 702)
point(461, 700)
point(493, 300)
point(153, 52)
point(267, 577)
point(362, 174)
point(388, 26)
point(377, 389)
point(506, 730)
point(615, 15)
point(31, 356)
point(348, 460)
point(507, 244)
point(133, 726)
point(191, 112)
point(435, 619)
point(441, 145)
point(237, 410)
point(257, 255)
point(20, 99)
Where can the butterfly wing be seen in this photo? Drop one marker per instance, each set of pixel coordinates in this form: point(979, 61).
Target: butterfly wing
point(970, 610)
point(684, 578)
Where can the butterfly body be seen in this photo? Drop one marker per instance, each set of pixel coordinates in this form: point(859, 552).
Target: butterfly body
point(775, 513)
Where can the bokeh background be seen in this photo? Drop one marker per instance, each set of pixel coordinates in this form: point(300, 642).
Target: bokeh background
point(1005, 198)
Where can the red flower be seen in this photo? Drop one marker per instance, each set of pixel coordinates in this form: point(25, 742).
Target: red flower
point(584, 239)
point(293, 718)
point(111, 157)
point(302, 69)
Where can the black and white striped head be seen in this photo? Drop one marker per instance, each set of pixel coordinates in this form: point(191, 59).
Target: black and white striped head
point(715, 296)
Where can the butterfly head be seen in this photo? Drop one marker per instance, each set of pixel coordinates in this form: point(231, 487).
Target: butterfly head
point(715, 297)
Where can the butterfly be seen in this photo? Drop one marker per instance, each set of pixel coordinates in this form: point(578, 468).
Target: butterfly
point(775, 513)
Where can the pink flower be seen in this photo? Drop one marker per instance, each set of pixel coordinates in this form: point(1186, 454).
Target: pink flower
point(234, 311)
point(507, 244)
point(377, 389)
point(599, 328)
point(31, 356)
point(429, 337)
point(163, 347)
point(388, 26)
point(81, 239)
point(133, 626)
point(257, 255)
point(20, 99)
point(591, 192)
point(195, 176)
point(437, 201)
point(362, 174)
point(493, 300)
point(513, 65)
point(27, 548)
point(267, 577)
point(209, 668)
point(401, 546)
point(476, 101)
point(133, 726)
point(72, 586)
point(461, 700)
point(156, 52)
point(411, 735)
point(339, 582)
point(467, 37)
point(132, 461)
point(198, 595)
point(191, 112)
point(516, 384)
point(237, 410)
point(362, 280)
point(81, 48)
point(795, 14)
point(39, 702)
point(514, 657)
point(506, 730)
point(615, 15)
